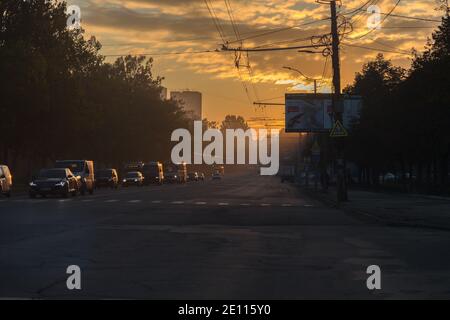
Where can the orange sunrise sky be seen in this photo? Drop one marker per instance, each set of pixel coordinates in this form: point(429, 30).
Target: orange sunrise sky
point(163, 28)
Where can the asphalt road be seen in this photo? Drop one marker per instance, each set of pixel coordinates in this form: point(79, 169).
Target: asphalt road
point(244, 237)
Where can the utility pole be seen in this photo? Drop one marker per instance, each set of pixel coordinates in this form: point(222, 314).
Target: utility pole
point(337, 105)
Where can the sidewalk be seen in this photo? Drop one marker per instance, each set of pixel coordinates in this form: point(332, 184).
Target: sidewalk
point(413, 210)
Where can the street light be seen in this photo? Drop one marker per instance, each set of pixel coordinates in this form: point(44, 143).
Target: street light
point(304, 76)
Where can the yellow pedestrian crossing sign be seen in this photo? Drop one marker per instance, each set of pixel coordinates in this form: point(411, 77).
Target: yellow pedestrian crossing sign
point(338, 130)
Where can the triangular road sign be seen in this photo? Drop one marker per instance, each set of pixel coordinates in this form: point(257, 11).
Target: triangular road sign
point(338, 130)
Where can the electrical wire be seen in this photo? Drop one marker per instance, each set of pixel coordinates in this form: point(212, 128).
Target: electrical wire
point(381, 22)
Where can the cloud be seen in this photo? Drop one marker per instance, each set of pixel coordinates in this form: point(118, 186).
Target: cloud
point(151, 26)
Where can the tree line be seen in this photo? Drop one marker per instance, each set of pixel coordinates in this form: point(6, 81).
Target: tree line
point(404, 127)
point(60, 98)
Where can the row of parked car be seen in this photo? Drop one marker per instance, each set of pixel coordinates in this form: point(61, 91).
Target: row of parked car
point(72, 177)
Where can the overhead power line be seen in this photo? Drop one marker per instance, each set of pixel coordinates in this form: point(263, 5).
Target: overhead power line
point(381, 22)
point(280, 30)
point(224, 48)
point(163, 53)
point(374, 49)
point(407, 17)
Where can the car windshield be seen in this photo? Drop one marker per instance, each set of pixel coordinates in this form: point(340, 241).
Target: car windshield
point(74, 166)
point(52, 174)
point(104, 173)
point(133, 175)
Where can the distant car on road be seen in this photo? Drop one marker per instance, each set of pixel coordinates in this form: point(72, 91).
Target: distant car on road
point(58, 181)
point(287, 173)
point(193, 176)
point(176, 173)
point(84, 169)
point(133, 178)
point(107, 178)
point(5, 181)
point(153, 173)
point(171, 177)
point(216, 175)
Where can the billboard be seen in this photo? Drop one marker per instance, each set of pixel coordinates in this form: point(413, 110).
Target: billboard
point(308, 112)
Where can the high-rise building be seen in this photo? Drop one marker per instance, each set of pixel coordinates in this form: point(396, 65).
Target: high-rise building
point(163, 93)
point(190, 101)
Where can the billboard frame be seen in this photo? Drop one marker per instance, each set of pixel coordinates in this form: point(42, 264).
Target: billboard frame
point(327, 122)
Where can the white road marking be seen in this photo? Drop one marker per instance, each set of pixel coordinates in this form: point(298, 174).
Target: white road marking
point(65, 200)
point(265, 204)
point(200, 203)
point(156, 201)
point(87, 200)
point(134, 201)
point(112, 200)
point(223, 203)
point(177, 202)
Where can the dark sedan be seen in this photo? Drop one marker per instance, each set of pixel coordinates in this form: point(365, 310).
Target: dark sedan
point(54, 182)
point(133, 178)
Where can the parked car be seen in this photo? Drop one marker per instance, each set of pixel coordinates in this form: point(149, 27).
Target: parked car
point(83, 170)
point(5, 181)
point(201, 176)
point(171, 177)
point(153, 173)
point(133, 178)
point(107, 178)
point(58, 181)
point(193, 176)
point(176, 172)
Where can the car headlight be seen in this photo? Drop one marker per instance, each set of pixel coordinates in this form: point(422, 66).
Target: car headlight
point(124, 180)
point(32, 184)
point(135, 180)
